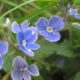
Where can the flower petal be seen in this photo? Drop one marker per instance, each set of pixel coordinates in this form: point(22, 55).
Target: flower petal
point(44, 33)
point(16, 75)
point(77, 16)
point(53, 37)
point(42, 23)
point(19, 62)
point(24, 25)
point(33, 46)
point(26, 75)
point(8, 22)
point(28, 33)
point(33, 70)
point(73, 11)
point(34, 29)
point(56, 22)
point(27, 51)
point(1, 62)
point(32, 38)
point(20, 38)
point(3, 48)
point(15, 27)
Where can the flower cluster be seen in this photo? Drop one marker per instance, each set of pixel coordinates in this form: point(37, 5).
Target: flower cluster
point(26, 37)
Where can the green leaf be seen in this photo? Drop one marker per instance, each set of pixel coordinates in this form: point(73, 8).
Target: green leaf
point(77, 1)
point(46, 48)
point(65, 49)
point(38, 78)
point(75, 37)
point(8, 58)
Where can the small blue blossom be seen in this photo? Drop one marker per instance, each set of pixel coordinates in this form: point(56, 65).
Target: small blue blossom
point(49, 28)
point(22, 70)
point(74, 13)
point(3, 51)
point(27, 41)
point(26, 37)
point(77, 16)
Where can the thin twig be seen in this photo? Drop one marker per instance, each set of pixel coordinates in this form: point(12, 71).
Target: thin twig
point(8, 39)
point(65, 15)
point(66, 12)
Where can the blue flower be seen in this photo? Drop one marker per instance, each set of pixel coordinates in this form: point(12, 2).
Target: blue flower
point(3, 51)
point(77, 16)
point(22, 70)
point(26, 37)
point(49, 28)
point(74, 13)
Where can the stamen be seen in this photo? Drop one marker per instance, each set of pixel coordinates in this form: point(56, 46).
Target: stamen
point(24, 43)
point(23, 69)
point(49, 29)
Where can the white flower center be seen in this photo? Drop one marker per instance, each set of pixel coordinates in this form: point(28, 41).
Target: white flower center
point(49, 29)
point(24, 42)
point(23, 69)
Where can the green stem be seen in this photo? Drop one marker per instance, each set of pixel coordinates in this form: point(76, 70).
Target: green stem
point(65, 15)
point(8, 39)
point(6, 76)
point(26, 2)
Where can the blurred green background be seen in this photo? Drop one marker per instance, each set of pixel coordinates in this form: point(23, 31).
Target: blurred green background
point(56, 61)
